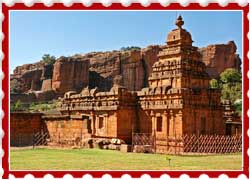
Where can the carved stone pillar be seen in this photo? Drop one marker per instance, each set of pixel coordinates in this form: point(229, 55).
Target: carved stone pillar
point(178, 124)
point(92, 118)
point(105, 118)
point(171, 124)
point(152, 115)
point(165, 122)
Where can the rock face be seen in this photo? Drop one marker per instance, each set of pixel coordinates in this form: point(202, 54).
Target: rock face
point(218, 57)
point(98, 69)
point(149, 56)
point(134, 67)
point(29, 77)
point(47, 85)
point(70, 74)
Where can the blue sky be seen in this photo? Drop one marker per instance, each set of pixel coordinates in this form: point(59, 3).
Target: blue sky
point(64, 33)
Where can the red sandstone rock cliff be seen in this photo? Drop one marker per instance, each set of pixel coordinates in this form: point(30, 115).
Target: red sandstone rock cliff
point(70, 74)
point(218, 57)
point(133, 66)
point(98, 69)
point(29, 77)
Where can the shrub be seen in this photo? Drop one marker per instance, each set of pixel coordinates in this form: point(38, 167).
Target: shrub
point(48, 59)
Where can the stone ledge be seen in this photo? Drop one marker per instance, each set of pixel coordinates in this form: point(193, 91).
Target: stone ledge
point(56, 117)
point(78, 116)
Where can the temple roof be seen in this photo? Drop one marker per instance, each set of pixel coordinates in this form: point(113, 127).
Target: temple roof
point(179, 36)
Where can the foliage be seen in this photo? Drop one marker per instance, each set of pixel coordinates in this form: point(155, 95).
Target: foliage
point(130, 48)
point(42, 106)
point(238, 107)
point(16, 106)
point(214, 84)
point(229, 83)
point(231, 93)
point(230, 76)
point(48, 59)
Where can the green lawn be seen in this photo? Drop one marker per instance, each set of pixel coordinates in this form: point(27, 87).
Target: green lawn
point(96, 159)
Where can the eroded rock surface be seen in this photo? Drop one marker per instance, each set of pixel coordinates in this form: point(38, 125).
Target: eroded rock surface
point(29, 77)
point(218, 57)
point(70, 74)
point(98, 69)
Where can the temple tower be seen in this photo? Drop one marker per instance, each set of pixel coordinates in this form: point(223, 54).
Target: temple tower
point(178, 100)
point(179, 64)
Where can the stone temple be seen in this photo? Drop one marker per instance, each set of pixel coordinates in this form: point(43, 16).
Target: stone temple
point(177, 102)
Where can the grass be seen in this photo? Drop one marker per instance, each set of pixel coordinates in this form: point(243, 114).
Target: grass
point(96, 159)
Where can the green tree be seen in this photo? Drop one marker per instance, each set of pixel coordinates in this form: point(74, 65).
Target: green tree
point(48, 59)
point(238, 106)
point(230, 76)
point(230, 82)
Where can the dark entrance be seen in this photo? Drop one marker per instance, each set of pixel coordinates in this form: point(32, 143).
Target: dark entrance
point(228, 129)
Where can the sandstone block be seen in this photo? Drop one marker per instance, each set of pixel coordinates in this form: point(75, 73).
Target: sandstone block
point(125, 148)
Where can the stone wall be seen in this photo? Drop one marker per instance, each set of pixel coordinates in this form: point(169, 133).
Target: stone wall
point(126, 123)
point(66, 130)
point(76, 129)
point(108, 127)
point(203, 121)
point(23, 126)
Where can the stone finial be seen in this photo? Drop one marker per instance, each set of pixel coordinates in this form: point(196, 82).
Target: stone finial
point(179, 22)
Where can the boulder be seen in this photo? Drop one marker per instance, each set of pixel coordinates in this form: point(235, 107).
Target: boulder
point(125, 148)
point(114, 147)
point(117, 141)
point(142, 149)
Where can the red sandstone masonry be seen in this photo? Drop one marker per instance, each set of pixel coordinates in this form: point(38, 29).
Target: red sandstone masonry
point(23, 125)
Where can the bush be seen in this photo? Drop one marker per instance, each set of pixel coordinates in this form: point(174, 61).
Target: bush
point(47, 59)
point(213, 84)
point(238, 107)
point(230, 84)
point(130, 48)
point(17, 106)
point(39, 107)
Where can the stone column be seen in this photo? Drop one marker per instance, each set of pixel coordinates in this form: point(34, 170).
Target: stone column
point(153, 121)
point(178, 124)
point(174, 83)
point(92, 117)
point(105, 123)
point(171, 124)
point(165, 116)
